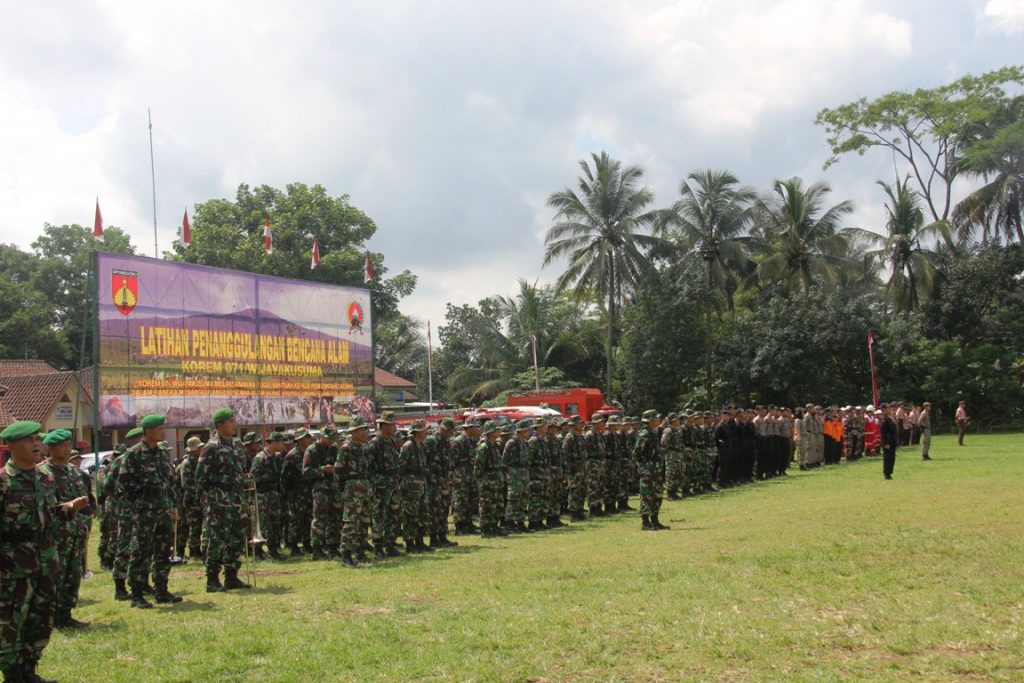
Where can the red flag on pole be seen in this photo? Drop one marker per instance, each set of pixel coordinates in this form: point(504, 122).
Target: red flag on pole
point(186, 230)
point(368, 275)
point(268, 238)
point(97, 227)
point(315, 261)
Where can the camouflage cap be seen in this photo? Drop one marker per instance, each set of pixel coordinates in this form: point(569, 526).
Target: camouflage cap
point(419, 425)
point(75, 455)
point(289, 436)
point(650, 416)
point(356, 424)
point(275, 436)
point(540, 422)
point(387, 418)
point(251, 438)
point(597, 419)
point(194, 443)
point(614, 420)
point(573, 419)
point(300, 433)
point(524, 424)
point(133, 433)
point(330, 432)
point(473, 423)
point(508, 429)
point(163, 445)
point(492, 426)
point(447, 424)
point(120, 448)
point(673, 416)
point(706, 413)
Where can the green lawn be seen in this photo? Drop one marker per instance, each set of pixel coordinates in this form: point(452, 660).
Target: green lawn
point(833, 574)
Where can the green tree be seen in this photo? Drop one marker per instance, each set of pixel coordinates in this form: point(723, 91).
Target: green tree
point(997, 158)
point(925, 129)
point(709, 222)
point(599, 229)
point(802, 243)
point(64, 254)
point(229, 234)
point(905, 246)
point(400, 345)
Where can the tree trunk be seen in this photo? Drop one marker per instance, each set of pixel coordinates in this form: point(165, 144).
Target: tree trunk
point(707, 336)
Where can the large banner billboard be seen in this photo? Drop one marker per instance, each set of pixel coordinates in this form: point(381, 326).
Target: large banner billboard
point(184, 340)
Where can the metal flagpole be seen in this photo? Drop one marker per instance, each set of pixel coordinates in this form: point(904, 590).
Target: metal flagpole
point(152, 174)
point(430, 370)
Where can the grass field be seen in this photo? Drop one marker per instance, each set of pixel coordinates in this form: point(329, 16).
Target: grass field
point(833, 574)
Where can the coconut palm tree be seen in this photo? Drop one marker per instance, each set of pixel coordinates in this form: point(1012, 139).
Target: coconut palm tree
point(905, 246)
point(710, 220)
point(802, 243)
point(599, 229)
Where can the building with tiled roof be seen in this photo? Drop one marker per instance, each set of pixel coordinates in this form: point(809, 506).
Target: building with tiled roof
point(20, 368)
point(391, 388)
point(48, 398)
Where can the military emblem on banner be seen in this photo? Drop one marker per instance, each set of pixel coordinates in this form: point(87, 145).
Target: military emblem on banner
point(355, 318)
point(124, 288)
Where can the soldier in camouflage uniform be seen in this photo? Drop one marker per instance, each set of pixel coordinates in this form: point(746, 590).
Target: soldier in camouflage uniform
point(671, 447)
point(555, 484)
point(612, 466)
point(220, 481)
point(538, 458)
point(594, 448)
point(352, 470)
point(71, 533)
point(252, 444)
point(853, 432)
point(29, 512)
point(412, 471)
point(648, 456)
point(297, 493)
point(575, 456)
point(318, 469)
point(439, 483)
point(192, 505)
point(146, 484)
point(108, 522)
point(266, 475)
point(463, 482)
point(516, 459)
point(122, 531)
point(386, 513)
point(490, 477)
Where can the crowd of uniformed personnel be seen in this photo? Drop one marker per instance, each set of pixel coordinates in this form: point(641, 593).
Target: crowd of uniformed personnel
point(338, 496)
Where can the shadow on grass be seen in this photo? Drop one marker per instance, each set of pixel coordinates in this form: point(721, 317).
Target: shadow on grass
point(438, 556)
point(96, 627)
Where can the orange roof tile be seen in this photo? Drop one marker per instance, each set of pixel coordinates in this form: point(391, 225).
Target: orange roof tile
point(19, 368)
point(32, 397)
point(383, 378)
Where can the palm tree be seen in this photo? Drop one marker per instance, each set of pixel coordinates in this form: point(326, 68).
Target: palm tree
point(598, 229)
point(801, 241)
point(711, 215)
point(998, 158)
point(400, 345)
point(903, 247)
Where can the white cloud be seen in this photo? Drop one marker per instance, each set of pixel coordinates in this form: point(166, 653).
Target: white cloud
point(1006, 16)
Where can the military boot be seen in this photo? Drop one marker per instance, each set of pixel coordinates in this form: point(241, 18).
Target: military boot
point(318, 555)
point(657, 524)
point(139, 599)
point(232, 582)
point(427, 548)
point(361, 557)
point(487, 532)
point(258, 554)
point(646, 525)
point(294, 549)
point(445, 541)
point(164, 596)
point(29, 675)
point(195, 552)
point(70, 622)
point(435, 542)
point(378, 550)
point(392, 551)
point(274, 553)
point(13, 675)
point(120, 591)
point(347, 560)
point(554, 521)
point(213, 584)
point(471, 528)
point(624, 505)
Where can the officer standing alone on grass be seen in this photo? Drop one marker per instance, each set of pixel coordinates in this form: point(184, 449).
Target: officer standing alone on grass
point(890, 440)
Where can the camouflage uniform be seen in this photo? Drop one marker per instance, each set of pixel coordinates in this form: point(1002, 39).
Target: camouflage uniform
point(575, 458)
point(108, 522)
point(298, 499)
point(71, 534)
point(490, 478)
point(386, 515)
point(439, 485)
point(351, 469)
point(594, 449)
point(465, 502)
point(539, 487)
point(412, 469)
point(516, 461)
point(145, 483)
point(29, 529)
point(266, 475)
point(648, 456)
point(121, 522)
point(613, 458)
point(220, 480)
point(192, 505)
point(556, 482)
point(325, 529)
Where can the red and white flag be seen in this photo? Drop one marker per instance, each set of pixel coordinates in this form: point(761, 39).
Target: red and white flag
point(315, 261)
point(268, 238)
point(368, 275)
point(97, 226)
point(186, 230)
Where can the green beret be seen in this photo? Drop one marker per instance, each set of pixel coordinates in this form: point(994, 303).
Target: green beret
point(57, 436)
point(418, 426)
point(275, 436)
point(20, 430)
point(387, 417)
point(649, 416)
point(222, 415)
point(356, 424)
point(300, 433)
point(151, 421)
point(133, 433)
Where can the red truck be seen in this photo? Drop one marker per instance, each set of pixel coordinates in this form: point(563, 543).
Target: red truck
point(583, 402)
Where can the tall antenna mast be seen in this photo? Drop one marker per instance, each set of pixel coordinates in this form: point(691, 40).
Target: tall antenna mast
point(152, 174)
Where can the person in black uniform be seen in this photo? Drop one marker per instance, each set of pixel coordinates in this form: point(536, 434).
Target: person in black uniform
point(725, 443)
point(890, 439)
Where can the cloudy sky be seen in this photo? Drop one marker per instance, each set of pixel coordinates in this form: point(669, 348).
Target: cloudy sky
point(449, 123)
